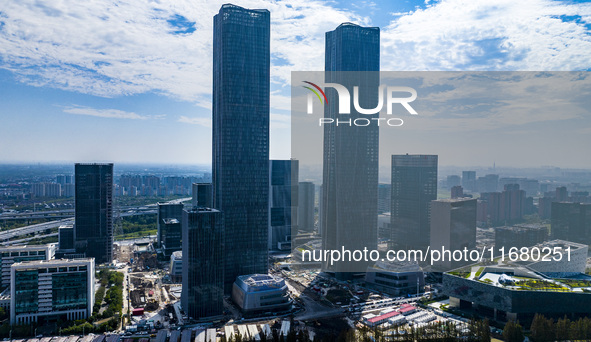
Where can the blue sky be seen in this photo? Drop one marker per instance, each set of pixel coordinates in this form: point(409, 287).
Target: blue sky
point(130, 81)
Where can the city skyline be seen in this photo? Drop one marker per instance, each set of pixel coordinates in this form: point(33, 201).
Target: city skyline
point(62, 84)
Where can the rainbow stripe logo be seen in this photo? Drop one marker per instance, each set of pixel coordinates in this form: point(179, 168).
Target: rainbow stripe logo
point(315, 92)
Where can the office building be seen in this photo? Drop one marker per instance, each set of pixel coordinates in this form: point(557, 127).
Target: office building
point(50, 290)
point(561, 194)
point(93, 227)
point(202, 195)
point(571, 222)
point(520, 236)
point(203, 263)
point(260, 292)
point(396, 278)
point(283, 197)
point(241, 51)
point(306, 196)
point(350, 155)
point(469, 180)
point(453, 227)
point(414, 186)
point(14, 254)
point(66, 237)
point(168, 238)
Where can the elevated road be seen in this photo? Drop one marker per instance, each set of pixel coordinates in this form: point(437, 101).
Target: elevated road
point(46, 227)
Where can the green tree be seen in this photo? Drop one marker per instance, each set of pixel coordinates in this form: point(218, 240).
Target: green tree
point(513, 332)
point(542, 329)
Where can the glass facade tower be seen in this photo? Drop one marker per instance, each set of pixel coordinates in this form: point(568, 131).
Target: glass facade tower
point(93, 227)
point(203, 263)
point(350, 157)
point(241, 55)
point(414, 186)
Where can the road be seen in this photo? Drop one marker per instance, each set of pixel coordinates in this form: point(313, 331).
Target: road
point(36, 228)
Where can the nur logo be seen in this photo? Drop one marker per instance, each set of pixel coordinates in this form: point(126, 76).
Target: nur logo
point(344, 104)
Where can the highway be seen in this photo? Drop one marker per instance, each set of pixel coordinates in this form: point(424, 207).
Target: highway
point(47, 226)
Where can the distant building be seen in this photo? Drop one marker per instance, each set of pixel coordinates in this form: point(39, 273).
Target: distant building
point(561, 194)
point(168, 238)
point(283, 178)
point(202, 195)
point(176, 266)
point(414, 186)
point(306, 196)
point(571, 222)
point(453, 180)
point(500, 208)
point(457, 191)
point(260, 293)
point(93, 227)
point(469, 180)
point(520, 236)
point(488, 183)
point(68, 190)
point(240, 123)
point(14, 254)
point(203, 263)
point(384, 198)
point(453, 226)
point(43, 291)
point(545, 207)
point(64, 179)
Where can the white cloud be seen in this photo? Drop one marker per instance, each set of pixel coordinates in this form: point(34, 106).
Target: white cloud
point(107, 113)
point(489, 35)
point(121, 48)
point(205, 122)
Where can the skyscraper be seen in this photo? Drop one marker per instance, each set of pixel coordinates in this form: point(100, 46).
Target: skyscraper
point(469, 180)
point(202, 193)
point(93, 227)
point(169, 236)
point(571, 222)
point(241, 55)
point(306, 194)
point(453, 226)
point(203, 263)
point(414, 186)
point(350, 157)
point(283, 203)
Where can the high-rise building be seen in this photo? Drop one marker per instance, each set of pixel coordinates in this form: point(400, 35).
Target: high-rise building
point(51, 290)
point(169, 234)
point(414, 186)
point(93, 227)
point(488, 183)
point(306, 195)
point(512, 203)
point(469, 180)
point(241, 78)
point(453, 226)
point(202, 195)
point(571, 221)
point(66, 237)
point(203, 263)
point(561, 194)
point(350, 157)
point(283, 179)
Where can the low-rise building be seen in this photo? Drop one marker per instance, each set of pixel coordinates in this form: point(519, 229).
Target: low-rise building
point(49, 290)
point(13, 254)
point(396, 278)
point(176, 266)
point(260, 292)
